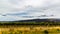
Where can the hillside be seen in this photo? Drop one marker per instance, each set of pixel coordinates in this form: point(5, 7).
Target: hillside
point(32, 22)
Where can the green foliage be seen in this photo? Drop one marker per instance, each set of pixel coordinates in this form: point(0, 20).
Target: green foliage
point(31, 23)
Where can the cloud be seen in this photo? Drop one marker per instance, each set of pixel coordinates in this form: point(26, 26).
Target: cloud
point(29, 9)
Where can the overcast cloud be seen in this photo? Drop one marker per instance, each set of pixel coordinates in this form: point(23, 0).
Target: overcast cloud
point(11, 10)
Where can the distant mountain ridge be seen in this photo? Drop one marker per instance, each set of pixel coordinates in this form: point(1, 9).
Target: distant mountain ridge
point(32, 22)
point(40, 20)
point(35, 20)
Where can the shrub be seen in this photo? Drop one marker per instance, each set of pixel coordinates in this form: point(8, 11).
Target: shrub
point(45, 32)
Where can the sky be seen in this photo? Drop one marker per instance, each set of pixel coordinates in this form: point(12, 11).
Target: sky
point(11, 10)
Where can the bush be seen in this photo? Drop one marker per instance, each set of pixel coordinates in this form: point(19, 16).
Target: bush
point(45, 32)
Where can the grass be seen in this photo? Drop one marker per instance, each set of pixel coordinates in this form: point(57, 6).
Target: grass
point(30, 30)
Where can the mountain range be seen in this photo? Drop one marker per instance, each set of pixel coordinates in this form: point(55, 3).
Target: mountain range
point(40, 20)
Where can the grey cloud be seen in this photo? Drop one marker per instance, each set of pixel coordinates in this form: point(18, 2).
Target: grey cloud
point(24, 9)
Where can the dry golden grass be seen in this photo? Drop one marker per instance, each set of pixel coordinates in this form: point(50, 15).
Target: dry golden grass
point(52, 29)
